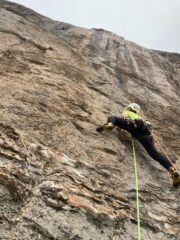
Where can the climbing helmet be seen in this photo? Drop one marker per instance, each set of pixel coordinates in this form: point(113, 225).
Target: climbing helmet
point(135, 107)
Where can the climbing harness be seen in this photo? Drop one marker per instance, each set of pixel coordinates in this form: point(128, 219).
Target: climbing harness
point(137, 193)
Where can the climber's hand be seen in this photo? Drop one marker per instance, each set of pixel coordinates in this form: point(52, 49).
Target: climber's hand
point(148, 124)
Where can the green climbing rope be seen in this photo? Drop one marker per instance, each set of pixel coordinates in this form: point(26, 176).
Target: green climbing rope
point(137, 193)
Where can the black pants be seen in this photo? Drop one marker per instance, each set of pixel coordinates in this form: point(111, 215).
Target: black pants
point(148, 144)
point(143, 135)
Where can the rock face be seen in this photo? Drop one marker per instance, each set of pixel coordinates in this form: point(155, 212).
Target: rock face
point(59, 179)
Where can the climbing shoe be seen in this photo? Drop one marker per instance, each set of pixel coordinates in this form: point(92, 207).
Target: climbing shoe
point(109, 126)
point(100, 129)
point(176, 178)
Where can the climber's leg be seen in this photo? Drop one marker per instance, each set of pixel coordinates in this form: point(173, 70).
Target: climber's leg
point(148, 144)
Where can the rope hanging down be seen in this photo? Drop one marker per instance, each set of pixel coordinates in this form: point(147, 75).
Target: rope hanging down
point(137, 193)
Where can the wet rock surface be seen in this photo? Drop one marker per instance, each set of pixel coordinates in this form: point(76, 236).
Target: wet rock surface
point(59, 179)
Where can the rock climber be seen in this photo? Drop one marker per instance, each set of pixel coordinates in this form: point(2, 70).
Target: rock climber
point(141, 130)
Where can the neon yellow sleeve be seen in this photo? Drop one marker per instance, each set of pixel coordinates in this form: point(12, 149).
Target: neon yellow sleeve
point(130, 115)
